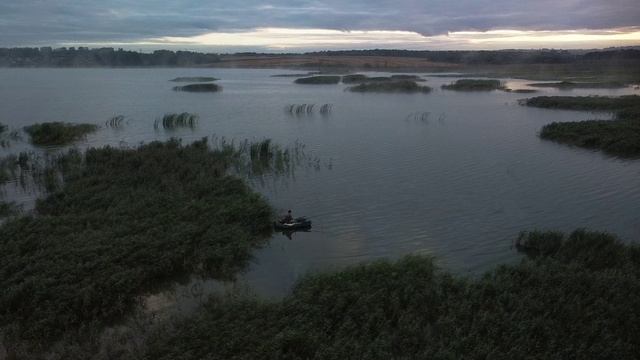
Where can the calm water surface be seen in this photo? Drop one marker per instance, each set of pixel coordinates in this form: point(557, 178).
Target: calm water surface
point(458, 184)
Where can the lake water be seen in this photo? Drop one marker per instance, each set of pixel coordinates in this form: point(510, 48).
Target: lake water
point(459, 183)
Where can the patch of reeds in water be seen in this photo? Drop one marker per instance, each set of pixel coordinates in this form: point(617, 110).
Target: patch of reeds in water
point(395, 86)
point(319, 80)
point(115, 122)
point(308, 109)
point(58, 133)
point(175, 121)
point(205, 87)
point(474, 85)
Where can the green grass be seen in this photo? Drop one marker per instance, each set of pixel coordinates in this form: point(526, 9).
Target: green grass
point(199, 88)
point(401, 86)
point(578, 298)
point(474, 85)
point(318, 80)
point(581, 85)
point(125, 221)
point(619, 137)
point(58, 133)
point(194, 79)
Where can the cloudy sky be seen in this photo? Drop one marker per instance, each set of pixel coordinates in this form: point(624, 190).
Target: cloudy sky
point(301, 25)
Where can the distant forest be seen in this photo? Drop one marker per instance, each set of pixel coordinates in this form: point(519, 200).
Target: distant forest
point(110, 57)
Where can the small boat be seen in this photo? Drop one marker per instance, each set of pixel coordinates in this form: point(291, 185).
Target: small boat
point(301, 223)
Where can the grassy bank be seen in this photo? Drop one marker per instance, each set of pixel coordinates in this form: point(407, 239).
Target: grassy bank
point(3, 128)
point(401, 86)
point(58, 133)
point(199, 88)
point(123, 222)
point(318, 80)
point(577, 296)
point(590, 103)
point(474, 85)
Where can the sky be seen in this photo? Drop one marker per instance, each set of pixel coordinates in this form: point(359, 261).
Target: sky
point(308, 25)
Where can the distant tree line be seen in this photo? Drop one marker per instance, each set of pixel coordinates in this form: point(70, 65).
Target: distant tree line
point(497, 57)
point(102, 57)
point(110, 57)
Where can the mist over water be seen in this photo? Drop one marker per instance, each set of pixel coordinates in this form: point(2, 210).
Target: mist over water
point(459, 183)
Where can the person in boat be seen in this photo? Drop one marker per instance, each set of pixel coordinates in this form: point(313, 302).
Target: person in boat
point(288, 219)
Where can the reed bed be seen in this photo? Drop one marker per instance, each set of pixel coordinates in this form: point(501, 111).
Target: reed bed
point(308, 109)
point(115, 122)
point(579, 296)
point(3, 128)
point(398, 86)
point(567, 85)
point(126, 221)
point(318, 80)
point(205, 87)
point(58, 133)
point(474, 85)
point(175, 121)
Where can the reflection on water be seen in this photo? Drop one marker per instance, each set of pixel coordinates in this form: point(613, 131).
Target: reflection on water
point(455, 175)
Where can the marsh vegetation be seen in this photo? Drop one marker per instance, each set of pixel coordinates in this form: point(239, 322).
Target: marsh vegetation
point(619, 137)
point(319, 80)
point(474, 85)
point(308, 109)
point(205, 87)
point(567, 85)
point(58, 133)
point(121, 222)
point(175, 121)
point(585, 285)
point(400, 86)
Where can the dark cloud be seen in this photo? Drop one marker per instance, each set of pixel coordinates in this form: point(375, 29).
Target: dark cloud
point(39, 22)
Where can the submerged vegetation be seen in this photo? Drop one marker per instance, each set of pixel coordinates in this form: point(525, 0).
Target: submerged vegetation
point(474, 85)
point(206, 87)
point(319, 80)
point(58, 133)
point(404, 86)
point(194, 79)
point(122, 222)
point(620, 137)
point(576, 296)
point(174, 121)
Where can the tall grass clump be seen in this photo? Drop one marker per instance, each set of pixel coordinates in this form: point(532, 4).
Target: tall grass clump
point(205, 87)
point(308, 109)
point(174, 121)
point(115, 122)
point(58, 133)
point(400, 86)
point(3, 128)
point(474, 85)
point(124, 222)
point(577, 298)
point(318, 80)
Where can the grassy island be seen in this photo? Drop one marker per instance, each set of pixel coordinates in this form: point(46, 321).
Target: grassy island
point(619, 137)
point(319, 80)
point(58, 133)
point(474, 85)
point(123, 222)
point(402, 86)
point(194, 79)
point(574, 295)
point(199, 88)
point(567, 85)
point(354, 78)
